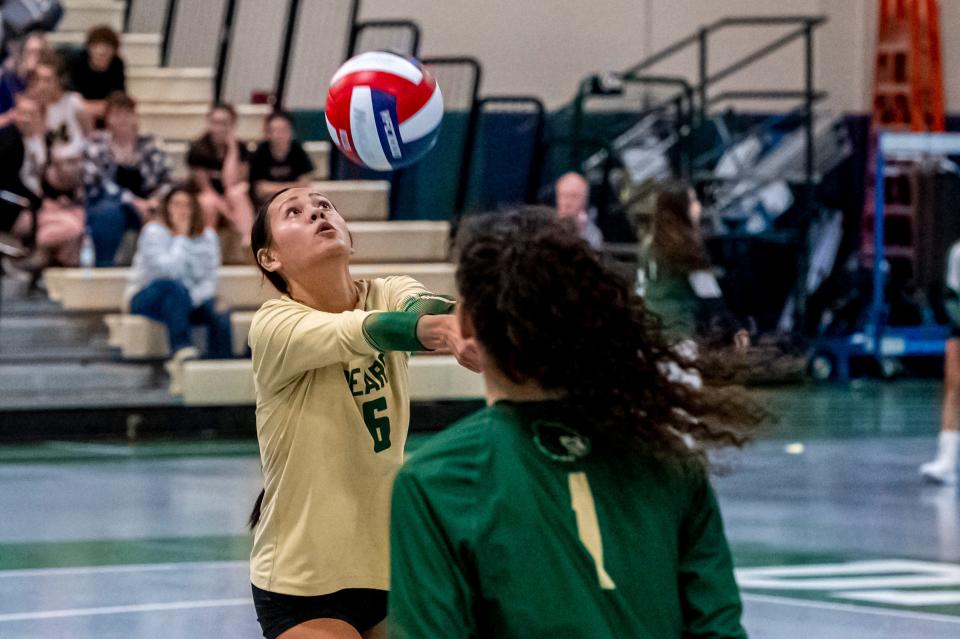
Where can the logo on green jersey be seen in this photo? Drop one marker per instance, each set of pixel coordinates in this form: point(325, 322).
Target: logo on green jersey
point(560, 443)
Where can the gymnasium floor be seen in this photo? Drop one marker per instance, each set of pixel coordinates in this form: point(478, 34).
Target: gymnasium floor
point(834, 536)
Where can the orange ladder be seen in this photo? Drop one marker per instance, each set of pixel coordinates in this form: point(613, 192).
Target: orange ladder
point(907, 96)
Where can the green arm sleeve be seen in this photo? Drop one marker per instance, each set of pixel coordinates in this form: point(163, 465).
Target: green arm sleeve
point(708, 592)
point(430, 594)
point(392, 331)
point(429, 304)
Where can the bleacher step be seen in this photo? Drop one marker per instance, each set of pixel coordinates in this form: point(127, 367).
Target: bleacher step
point(241, 287)
point(318, 151)
point(174, 85)
point(136, 49)
point(80, 378)
point(80, 15)
point(189, 121)
point(357, 200)
point(230, 382)
point(22, 333)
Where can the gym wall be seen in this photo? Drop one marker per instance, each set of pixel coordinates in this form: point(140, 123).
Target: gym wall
point(545, 46)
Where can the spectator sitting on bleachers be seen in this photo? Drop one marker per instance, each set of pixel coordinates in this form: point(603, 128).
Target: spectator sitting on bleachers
point(23, 156)
point(60, 221)
point(174, 279)
point(219, 165)
point(97, 71)
point(573, 200)
point(279, 162)
point(125, 174)
point(24, 57)
point(67, 123)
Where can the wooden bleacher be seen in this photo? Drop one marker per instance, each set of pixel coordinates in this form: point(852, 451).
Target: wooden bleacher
point(241, 287)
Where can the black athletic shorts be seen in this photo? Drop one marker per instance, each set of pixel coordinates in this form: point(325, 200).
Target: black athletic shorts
point(362, 608)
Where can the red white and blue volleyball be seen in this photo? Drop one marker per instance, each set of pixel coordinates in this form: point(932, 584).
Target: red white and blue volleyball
point(384, 110)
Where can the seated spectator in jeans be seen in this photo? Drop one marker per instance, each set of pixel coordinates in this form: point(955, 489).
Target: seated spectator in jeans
point(23, 59)
point(67, 123)
point(174, 279)
point(60, 221)
point(23, 156)
point(125, 175)
point(97, 71)
point(279, 162)
point(219, 166)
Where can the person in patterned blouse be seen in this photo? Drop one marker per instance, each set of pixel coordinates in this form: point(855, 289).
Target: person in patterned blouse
point(125, 175)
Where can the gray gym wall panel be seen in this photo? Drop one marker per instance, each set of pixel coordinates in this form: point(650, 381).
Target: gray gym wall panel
point(319, 48)
point(397, 38)
point(195, 29)
point(255, 48)
point(146, 16)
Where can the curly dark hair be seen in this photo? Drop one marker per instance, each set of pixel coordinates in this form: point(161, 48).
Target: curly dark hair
point(548, 309)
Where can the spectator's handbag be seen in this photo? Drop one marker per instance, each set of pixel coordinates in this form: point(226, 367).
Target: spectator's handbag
point(23, 16)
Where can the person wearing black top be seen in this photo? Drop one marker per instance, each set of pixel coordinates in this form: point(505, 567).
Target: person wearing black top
point(219, 166)
point(279, 162)
point(97, 70)
point(22, 158)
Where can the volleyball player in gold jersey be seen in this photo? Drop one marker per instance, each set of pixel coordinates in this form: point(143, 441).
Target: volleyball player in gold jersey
point(330, 368)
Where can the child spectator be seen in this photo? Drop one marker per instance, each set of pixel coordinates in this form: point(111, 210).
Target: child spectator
point(125, 174)
point(279, 162)
point(174, 279)
point(219, 167)
point(97, 71)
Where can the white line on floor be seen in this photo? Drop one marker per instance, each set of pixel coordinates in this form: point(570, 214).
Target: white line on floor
point(96, 570)
point(862, 610)
point(96, 449)
point(116, 610)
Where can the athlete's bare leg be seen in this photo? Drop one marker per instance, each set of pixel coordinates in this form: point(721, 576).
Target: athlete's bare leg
point(379, 631)
point(322, 629)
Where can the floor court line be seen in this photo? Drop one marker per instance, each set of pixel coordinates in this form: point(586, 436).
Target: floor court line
point(111, 450)
point(116, 610)
point(96, 570)
point(852, 608)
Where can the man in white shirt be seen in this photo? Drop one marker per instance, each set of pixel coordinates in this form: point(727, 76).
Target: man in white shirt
point(573, 200)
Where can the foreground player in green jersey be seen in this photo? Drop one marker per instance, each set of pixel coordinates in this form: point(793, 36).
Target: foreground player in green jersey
point(577, 503)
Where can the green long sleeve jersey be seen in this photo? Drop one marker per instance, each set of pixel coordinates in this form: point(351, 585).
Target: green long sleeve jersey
point(507, 525)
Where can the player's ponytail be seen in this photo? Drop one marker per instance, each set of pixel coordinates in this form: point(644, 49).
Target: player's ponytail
point(255, 513)
point(547, 308)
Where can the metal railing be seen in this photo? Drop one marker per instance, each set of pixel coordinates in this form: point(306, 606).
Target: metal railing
point(473, 110)
point(705, 79)
point(402, 36)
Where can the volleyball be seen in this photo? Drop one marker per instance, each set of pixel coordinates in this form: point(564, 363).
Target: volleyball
point(384, 110)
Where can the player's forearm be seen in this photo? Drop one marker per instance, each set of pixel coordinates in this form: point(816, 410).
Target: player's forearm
point(410, 331)
point(393, 331)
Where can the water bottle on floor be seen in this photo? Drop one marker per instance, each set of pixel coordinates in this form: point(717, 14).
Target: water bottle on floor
point(88, 257)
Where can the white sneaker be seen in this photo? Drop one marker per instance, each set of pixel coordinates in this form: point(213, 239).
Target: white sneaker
point(174, 368)
point(939, 472)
